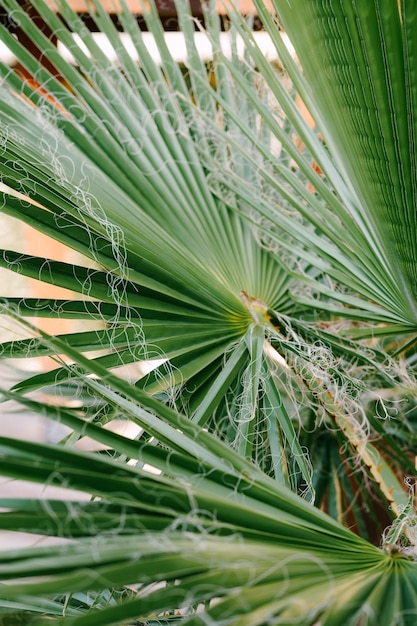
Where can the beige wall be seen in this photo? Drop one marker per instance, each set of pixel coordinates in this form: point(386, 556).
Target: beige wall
point(245, 6)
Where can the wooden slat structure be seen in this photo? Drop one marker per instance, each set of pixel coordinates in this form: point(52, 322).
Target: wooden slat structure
point(166, 10)
point(163, 6)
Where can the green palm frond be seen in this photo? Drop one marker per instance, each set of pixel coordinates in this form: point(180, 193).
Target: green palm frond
point(358, 83)
point(127, 173)
point(179, 270)
point(228, 533)
point(254, 258)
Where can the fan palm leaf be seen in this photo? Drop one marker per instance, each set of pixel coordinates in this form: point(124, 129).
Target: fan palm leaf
point(357, 81)
point(212, 523)
point(127, 172)
point(200, 220)
point(181, 274)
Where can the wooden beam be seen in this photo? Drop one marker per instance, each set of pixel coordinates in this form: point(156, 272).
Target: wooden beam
point(164, 6)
